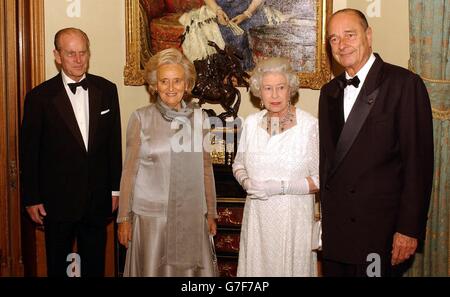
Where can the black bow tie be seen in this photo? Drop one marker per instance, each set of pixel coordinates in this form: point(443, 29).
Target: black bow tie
point(73, 86)
point(352, 81)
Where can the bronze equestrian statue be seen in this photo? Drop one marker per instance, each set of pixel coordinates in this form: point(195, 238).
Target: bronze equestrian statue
point(217, 78)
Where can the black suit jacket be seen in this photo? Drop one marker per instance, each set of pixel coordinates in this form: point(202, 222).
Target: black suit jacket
point(376, 169)
point(57, 171)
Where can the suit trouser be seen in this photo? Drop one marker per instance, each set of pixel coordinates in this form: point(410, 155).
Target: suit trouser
point(332, 268)
point(91, 244)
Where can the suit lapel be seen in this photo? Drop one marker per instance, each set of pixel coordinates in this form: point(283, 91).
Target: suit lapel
point(332, 120)
point(94, 111)
point(336, 111)
point(358, 115)
point(64, 107)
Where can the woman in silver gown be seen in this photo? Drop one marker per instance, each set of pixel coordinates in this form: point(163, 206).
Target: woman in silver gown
point(167, 207)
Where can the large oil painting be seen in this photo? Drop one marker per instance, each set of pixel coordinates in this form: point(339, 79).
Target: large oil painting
point(291, 28)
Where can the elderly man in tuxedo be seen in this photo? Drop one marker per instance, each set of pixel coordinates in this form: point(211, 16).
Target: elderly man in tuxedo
point(376, 156)
point(71, 157)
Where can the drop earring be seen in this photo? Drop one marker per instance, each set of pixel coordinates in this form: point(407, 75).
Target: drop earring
point(261, 104)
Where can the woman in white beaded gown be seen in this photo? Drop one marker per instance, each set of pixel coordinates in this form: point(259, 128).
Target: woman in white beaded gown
point(277, 164)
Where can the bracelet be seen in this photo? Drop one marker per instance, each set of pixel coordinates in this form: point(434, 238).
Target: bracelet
point(122, 219)
point(247, 14)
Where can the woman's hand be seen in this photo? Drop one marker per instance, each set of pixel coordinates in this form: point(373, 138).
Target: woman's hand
point(212, 226)
point(239, 18)
point(222, 17)
point(312, 186)
point(124, 233)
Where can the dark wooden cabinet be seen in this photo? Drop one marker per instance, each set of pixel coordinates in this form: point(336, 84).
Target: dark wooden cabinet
point(230, 208)
point(230, 212)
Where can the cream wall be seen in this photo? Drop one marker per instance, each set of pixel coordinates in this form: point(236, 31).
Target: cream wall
point(104, 22)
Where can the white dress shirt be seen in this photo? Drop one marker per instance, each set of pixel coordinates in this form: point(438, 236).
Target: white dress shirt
point(350, 92)
point(80, 105)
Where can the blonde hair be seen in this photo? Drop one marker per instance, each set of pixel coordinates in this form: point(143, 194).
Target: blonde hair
point(169, 56)
point(274, 64)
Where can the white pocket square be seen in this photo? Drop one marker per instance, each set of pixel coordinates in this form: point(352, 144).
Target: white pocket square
point(105, 111)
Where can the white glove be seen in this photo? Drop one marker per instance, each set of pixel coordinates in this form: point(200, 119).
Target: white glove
point(268, 187)
point(256, 192)
point(240, 174)
point(275, 187)
point(297, 187)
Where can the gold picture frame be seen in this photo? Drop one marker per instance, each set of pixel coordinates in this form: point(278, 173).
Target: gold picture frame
point(137, 52)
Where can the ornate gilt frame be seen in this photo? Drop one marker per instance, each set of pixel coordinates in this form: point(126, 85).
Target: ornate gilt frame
point(133, 74)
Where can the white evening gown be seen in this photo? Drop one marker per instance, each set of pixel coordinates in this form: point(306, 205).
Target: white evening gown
point(276, 233)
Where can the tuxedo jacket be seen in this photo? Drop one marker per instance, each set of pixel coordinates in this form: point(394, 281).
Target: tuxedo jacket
point(57, 170)
point(376, 168)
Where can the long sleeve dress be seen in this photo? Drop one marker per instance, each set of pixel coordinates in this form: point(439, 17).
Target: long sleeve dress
point(276, 233)
point(144, 197)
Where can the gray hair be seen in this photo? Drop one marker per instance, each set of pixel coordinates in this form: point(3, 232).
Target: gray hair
point(169, 56)
point(70, 30)
point(274, 64)
point(358, 13)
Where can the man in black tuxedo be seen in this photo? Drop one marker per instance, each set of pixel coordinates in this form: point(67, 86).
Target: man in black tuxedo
point(376, 156)
point(71, 157)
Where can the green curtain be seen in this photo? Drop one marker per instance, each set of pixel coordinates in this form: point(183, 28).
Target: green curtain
point(430, 58)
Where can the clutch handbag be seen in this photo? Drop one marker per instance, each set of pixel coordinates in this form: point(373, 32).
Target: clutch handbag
point(316, 239)
point(214, 256)
point(316, 234)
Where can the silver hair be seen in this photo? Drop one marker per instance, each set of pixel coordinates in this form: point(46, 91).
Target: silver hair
point(277, 65)
point(169, 56)
point(70, 30)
